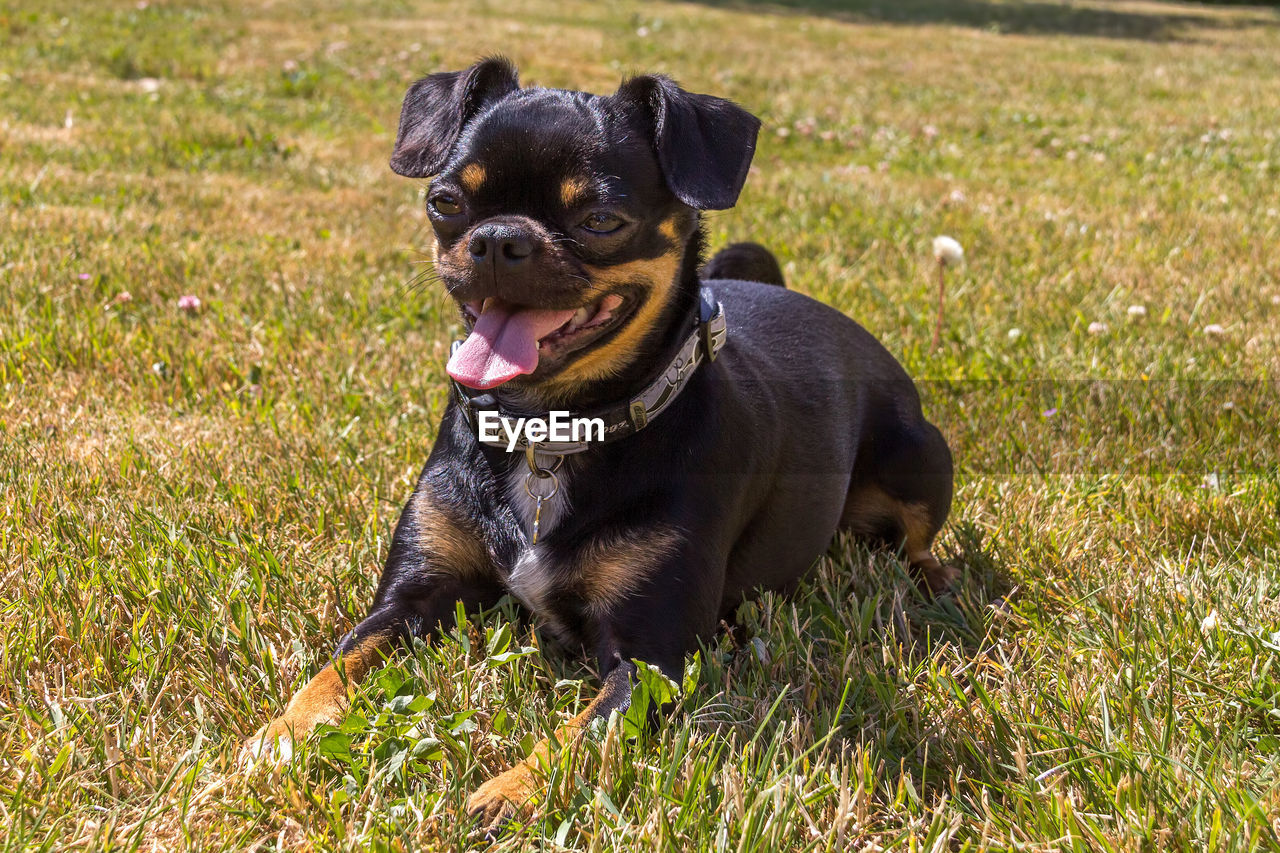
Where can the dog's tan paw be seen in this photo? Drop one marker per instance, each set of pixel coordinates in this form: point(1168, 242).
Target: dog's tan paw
point(272, 744)
point(504, 798)
point(943, 579)
point(939, 578)
point(322, 701)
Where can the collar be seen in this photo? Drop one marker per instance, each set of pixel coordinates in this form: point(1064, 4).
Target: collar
point(703, 343)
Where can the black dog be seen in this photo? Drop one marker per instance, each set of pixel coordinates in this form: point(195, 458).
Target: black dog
point(743, 424)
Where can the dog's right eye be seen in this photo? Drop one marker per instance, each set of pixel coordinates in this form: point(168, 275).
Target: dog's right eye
point(445, 205)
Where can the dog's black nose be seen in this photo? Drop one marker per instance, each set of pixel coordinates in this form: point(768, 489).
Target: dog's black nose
point(505, 244)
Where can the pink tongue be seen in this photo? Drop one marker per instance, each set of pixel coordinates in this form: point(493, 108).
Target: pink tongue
point(503, 344)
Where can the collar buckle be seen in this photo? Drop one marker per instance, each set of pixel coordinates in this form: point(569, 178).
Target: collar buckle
point(639, 416)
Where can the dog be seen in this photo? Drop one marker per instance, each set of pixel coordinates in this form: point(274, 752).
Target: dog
point(742, 424)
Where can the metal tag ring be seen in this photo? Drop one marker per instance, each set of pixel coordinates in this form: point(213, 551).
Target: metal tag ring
point(532, 478)
point(534, 468)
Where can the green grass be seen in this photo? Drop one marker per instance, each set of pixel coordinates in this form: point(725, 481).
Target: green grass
point(194, 506)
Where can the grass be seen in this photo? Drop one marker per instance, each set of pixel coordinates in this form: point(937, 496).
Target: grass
point(195, 505)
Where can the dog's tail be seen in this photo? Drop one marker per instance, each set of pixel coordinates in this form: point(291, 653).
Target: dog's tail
point(745, 262)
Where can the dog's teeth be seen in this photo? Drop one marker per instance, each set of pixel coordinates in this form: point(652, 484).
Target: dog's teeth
point(581, 316)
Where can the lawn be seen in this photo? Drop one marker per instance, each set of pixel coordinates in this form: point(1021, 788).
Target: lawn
point(196, 495)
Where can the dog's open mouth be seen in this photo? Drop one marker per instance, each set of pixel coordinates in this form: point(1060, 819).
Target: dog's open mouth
point(507, 339)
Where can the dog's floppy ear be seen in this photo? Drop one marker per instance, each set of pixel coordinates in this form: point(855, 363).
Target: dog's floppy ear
point(437, 107)
point(704, 144)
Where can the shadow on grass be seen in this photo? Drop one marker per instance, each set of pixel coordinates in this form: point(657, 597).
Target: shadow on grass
point(893, 721)
point(864, 606)
point(1030, 18)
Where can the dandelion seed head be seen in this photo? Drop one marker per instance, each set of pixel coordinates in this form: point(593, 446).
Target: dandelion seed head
point(947, 250)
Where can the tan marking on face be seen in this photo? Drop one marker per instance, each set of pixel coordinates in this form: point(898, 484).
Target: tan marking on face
point(573, 190)
point(447, 545)
point(324, 699)
point(614, 568)
point(667, 228)
point(658, 276)
point(472, 177)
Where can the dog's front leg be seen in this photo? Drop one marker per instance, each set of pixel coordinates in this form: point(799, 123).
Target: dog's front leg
point(515, 791)
point(398, 617)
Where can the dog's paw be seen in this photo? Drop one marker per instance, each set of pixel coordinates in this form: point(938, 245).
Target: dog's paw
point(504, 798)
point(933, 575)
point(265, 748)
point(942, 580)
point(272, 745)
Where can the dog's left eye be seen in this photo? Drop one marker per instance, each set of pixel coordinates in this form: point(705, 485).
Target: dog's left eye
point(446, 205)
point(602, 223)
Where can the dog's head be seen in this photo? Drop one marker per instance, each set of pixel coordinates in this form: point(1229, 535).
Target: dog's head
point(563, 220)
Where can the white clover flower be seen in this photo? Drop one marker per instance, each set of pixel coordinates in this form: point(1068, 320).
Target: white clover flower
point(1137, 310)
point(1214, 330)
point(1209, 622)
point(1015, 333)
point(1097, 327)
point(947, 250)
